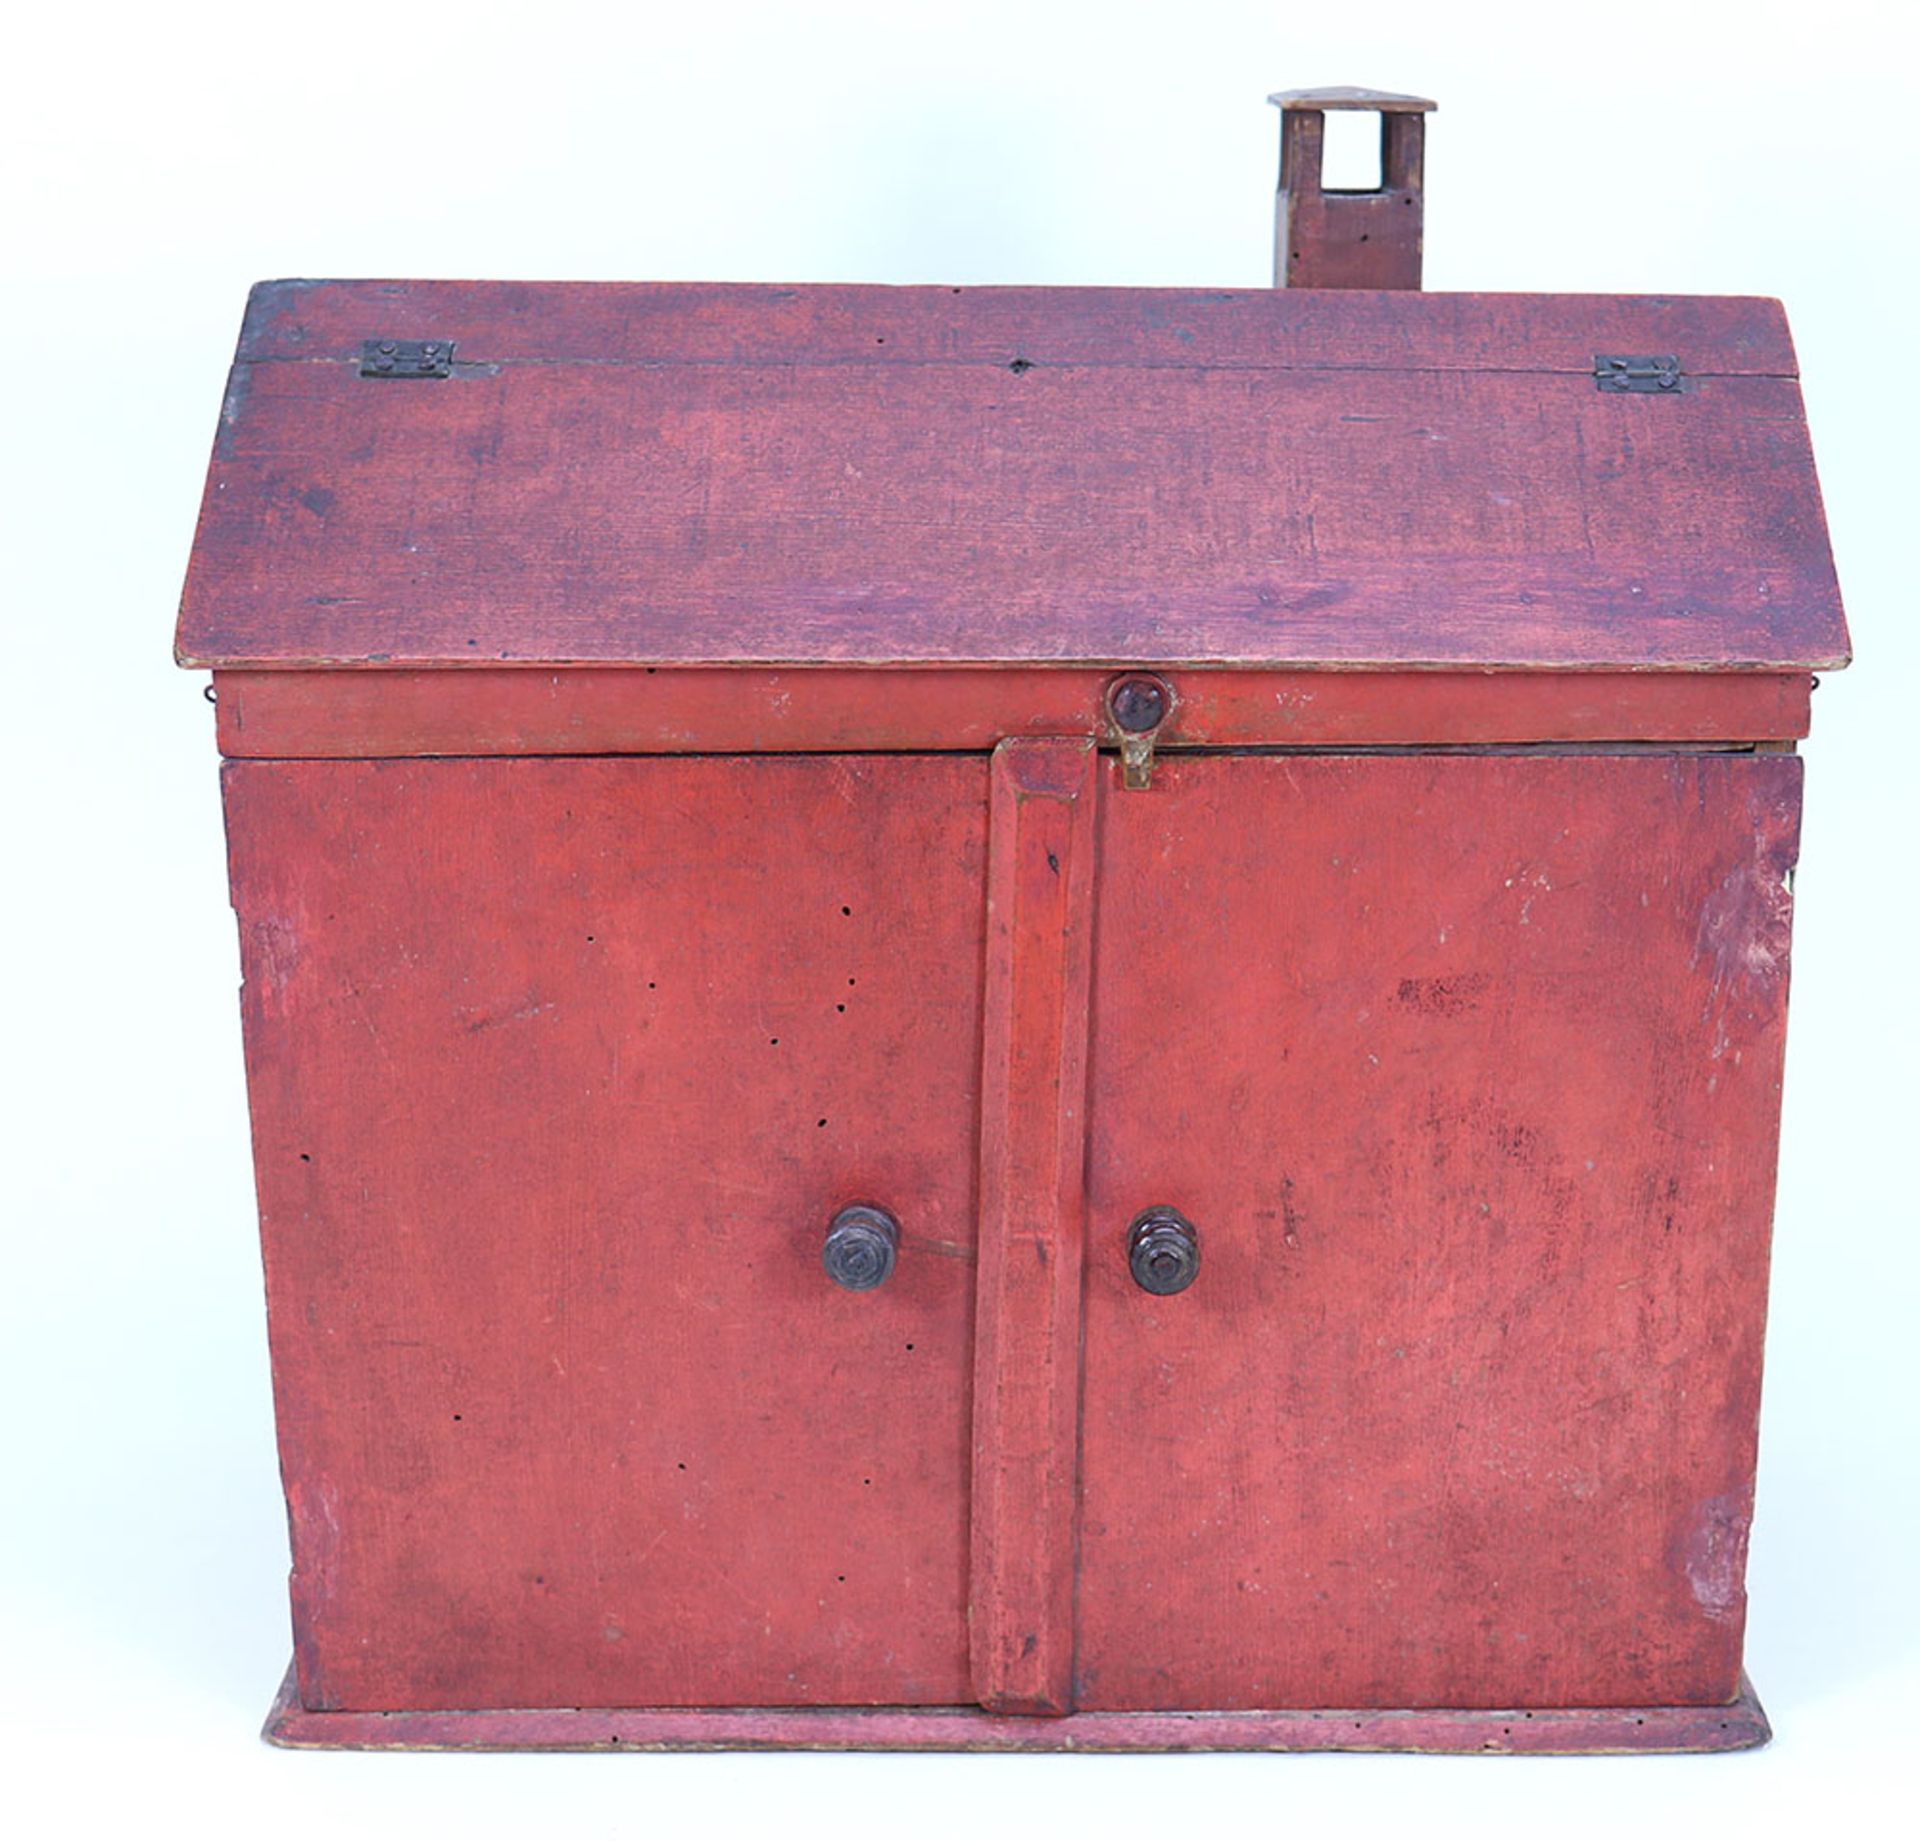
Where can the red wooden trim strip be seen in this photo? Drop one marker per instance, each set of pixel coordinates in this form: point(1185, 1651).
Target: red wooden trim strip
point(1026, 1408)
point(736, 323)
point(1539, 1730)
point(616, 710)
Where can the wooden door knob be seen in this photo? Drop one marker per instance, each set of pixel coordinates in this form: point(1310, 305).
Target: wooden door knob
point(860, 1247)
point(1163, 1249)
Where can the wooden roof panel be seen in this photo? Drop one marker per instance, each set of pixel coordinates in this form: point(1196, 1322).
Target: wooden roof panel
point(701, 475)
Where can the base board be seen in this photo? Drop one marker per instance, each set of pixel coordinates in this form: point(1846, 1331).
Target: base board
point(1734, 1727)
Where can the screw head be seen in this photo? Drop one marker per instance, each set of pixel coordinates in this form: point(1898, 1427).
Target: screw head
point(1138, 703)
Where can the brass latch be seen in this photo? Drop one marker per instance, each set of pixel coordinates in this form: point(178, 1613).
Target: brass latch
point(1137, 706)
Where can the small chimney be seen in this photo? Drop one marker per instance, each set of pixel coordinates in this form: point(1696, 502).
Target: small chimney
point(1326, 239)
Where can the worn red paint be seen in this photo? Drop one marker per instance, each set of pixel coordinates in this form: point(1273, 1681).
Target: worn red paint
point(588, 710)
point(553, 1102)
point(858, 476)
point(1479, 1137)
point(1461, 1412)
point(1027, 1331)
point(680, 323)
point(639, 858)
point(1586, 1730)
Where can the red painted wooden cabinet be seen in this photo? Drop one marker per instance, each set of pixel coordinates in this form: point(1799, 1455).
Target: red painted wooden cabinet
point(1247, 838)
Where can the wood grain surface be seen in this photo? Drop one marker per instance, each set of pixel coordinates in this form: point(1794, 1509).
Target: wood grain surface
point(872, 476)
point(727, 323)
point(1513, 1731)
point(559, 1070)
point(1033, 1133)
point(722, 710)
point(1465, 1067)
point(1467, 1070)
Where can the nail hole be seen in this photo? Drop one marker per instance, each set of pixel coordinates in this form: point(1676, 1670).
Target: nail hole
point(305, 1157)
point(1021, 366)
point(822, 1122)
point(842, 1008)
point(846, 910)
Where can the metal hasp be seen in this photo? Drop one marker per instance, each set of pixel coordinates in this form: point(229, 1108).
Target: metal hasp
point(1137, 705)
point(860, 1247)
point(1333, 239)
point(1638, 376)
point(406, 358)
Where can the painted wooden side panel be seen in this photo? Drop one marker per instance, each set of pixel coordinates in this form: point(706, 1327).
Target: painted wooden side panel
point(1026, 1409)
point(559, 1070)
point(1467, 1070)
point(692, 710)
point(1445, 502)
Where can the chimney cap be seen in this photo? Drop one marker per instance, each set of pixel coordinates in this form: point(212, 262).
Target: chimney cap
point(1384, 102)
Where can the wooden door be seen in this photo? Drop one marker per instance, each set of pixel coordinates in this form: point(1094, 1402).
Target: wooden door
point(1466, 1070)
point(559, 1070)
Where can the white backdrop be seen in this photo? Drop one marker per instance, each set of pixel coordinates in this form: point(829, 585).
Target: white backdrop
point(160, 158)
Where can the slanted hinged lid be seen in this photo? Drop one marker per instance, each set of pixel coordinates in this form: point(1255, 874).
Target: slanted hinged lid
point(672, 474)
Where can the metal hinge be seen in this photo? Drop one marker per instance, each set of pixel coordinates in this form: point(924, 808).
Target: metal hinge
point(406, 358)
point(1636, 376)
